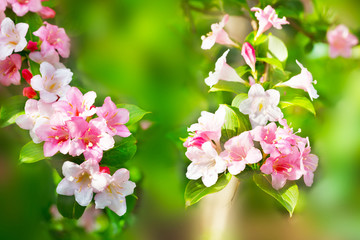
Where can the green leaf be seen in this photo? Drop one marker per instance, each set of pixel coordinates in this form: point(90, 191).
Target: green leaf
point(286, 196)
point(31, 152)
point(235, 123)
point(34, 21)
point(123, 151)
point(277, 49)
point(260, 40)
point(272, 61)
point(242, 70)
point(195, 190)
point(11, 109)
point(34, 67)
point(299, 101)
point(136, 113)
point(238, 99)
point(68, 207)
point(226, 86)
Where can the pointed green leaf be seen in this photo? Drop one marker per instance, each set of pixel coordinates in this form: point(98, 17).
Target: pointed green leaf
point(11, 109)
point(235, 123)
point(272, 61)
point(195, 190)
point(31, 152)
point(299, 101)
point(136, 113)
point(277, 49)
point(286, 196)
point(68, 207)
point(235, 87)
point(238, 99)
point(242, 70)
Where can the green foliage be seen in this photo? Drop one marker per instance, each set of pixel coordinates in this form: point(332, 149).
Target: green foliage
point(299, 101)
point(235, 123)
point(31, 152)
point(260, 40)
point(286, 196)
point(136, 113)
point(226, 86)
point(11, 109)
point(277, 49)
point(34, 21)
point(68, 207)
point(238, 99)
point(196, 190)
point(272, 61)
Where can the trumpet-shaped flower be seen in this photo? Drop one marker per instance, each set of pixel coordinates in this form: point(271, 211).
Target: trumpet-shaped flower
point(217, 35)
point(9, 70)
point(303, 81)
point(115, 118)
point(341, 41)
point(21, 7)
point(309, 164)
point(206, 164)
point(223, 72)
point(53, 83)
point(267, 18)
point(114, 194)
point(261, 105)
point(248, 53)
point(240, 151)
point(12, 37)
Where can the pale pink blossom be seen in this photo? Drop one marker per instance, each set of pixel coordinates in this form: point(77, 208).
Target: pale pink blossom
point(267, 18)
point(114, 194)
point(12, 37)
point(303, 81)
point(261, 105)
point(240, 151)
point(51, 57)
point(3, 4)
point(223, 72)
point(115, 118)
point(206, 164)
point(309, 163)
point(9, 70)
point(217, 35)
point(53, 38)
point(52, 83)
point(89, 138)
point(21, 7)
point(2, 16)
point(46, 12)
point(76, 104)
point(81, 180)
point(341, 41)
point(248, 53)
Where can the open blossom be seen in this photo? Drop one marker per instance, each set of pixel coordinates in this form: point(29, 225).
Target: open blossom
point(9, 70)
point(89, 138)
point(240, 151)
point(21, 7)
point(208, 128)
point(12, 37)
point(303, 81)
point(51, 57)
point(206, 164)
point(82, 181)
point(114, 194)
point(76, 104)
point(248, 53)
point(267, 18)
point(53, 83)
point(309, 164)
point(53, 38)
point(261, 105)
point(36, 114)
point(115, 118)
point(217, 35)
point(223, 72)
point(341, 41)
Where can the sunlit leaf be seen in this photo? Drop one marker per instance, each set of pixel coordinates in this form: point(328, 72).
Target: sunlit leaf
point(235, 123)
point(299, 101)
point(136, 113)
point(272, 61)
point(11, 109)
point(226, 86)
point(238, 99)
point(277, 49)
point(31, 152)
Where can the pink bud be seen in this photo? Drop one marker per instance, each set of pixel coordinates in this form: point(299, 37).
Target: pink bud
point(46, 12)
point(248, 53)
point(105, 170)
point(26, 75)
point(32, 46)
point(29, 92)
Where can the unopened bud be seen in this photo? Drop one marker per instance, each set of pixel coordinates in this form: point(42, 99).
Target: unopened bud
point(29, 92)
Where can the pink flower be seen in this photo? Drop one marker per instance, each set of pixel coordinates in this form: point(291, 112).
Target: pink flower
point(76, 104)
point(89, 138)
point(303, 81)
point(308, 164)
point(46, 12)
point(114, 194)
point(222, 72)
point(341, 41)
point(248, 53)
point(206, 164)
point(12, 37)
point(283, 167)
point(81, 180)
point(51, 57)
point(32, 46)
point(240, 151)
point(21, 7)
point(53, 38)
point(29, 92)
point(115, 118)
point(267, 18)
point(53, 83)
point(3, 4)
point(217, 35)
point(9, 70)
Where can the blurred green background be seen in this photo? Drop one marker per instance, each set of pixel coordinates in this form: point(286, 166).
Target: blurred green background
point(148, 53)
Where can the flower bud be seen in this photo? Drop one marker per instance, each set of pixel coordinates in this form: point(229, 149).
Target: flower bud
point(105, 170)
point(248, 53)
point(29, 92)
point(27, 75)
point(32, 46)
point(46, 12)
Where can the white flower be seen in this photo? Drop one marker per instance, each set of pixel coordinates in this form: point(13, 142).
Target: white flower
point(53, 83)
point(114, 194)
point(206, 164)
point(223, 72)
point(261, 105)
point(12, 37)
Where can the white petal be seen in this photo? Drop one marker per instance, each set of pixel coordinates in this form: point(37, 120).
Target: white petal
point(66, 187)
point(71, 170)
point(83, 196)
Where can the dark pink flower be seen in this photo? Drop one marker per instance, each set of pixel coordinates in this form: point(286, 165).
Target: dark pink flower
point(9, 70)
point(46, 12)
point(248, 53)
point(29, 92)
